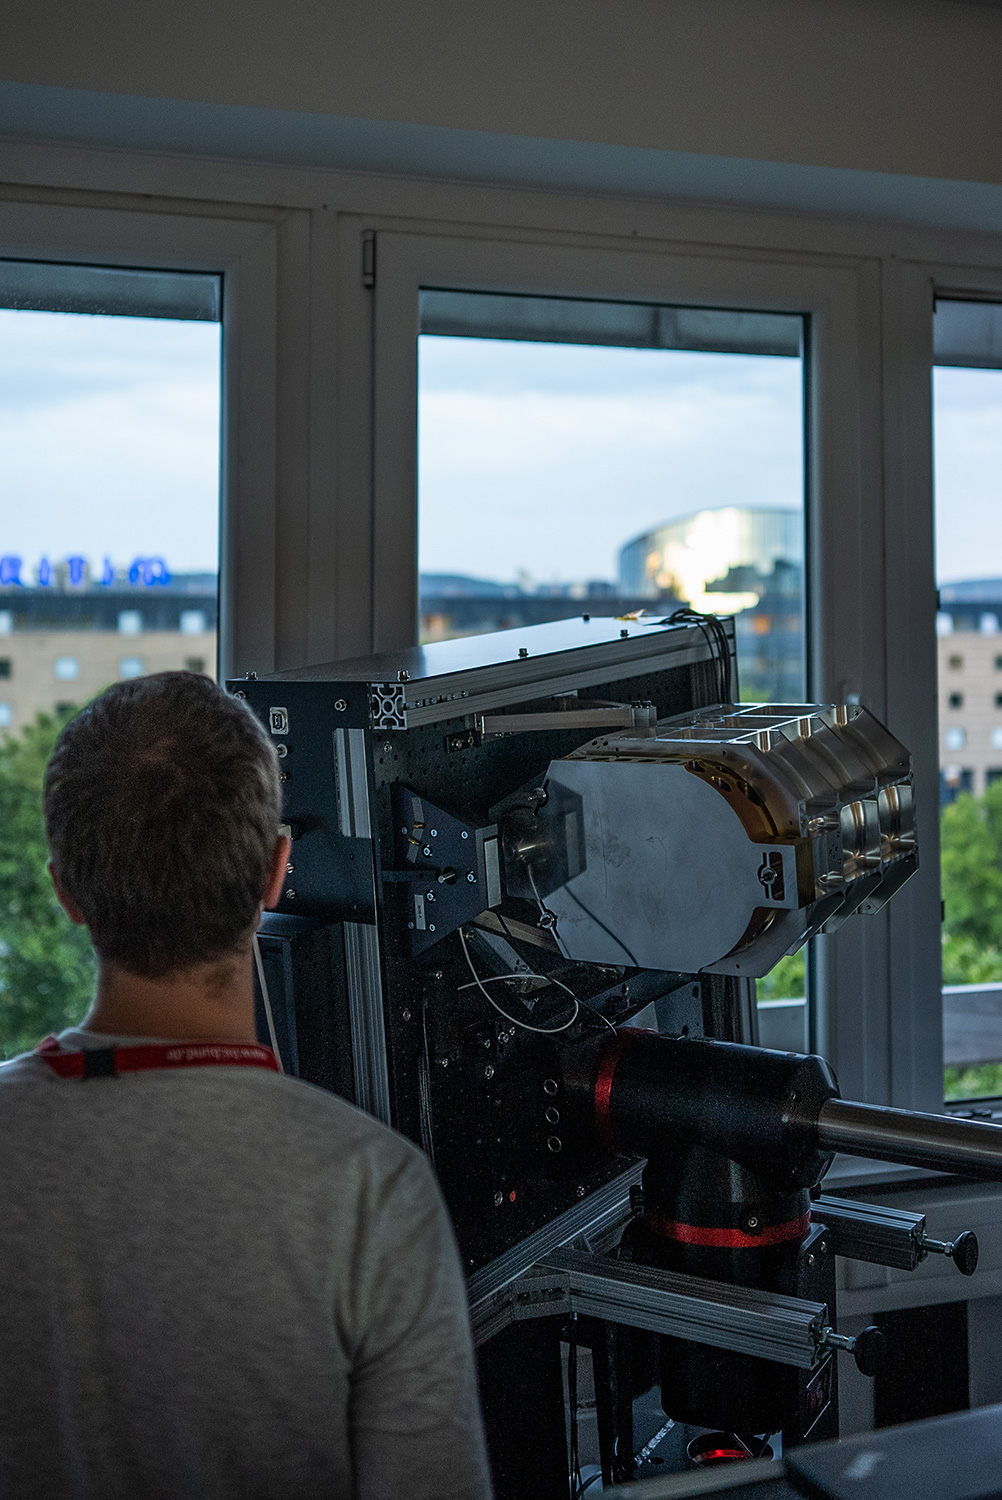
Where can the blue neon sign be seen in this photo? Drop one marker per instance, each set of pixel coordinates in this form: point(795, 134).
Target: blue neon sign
point(143, 572)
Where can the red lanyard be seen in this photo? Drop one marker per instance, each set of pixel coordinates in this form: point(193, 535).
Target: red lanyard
point(106, 1062)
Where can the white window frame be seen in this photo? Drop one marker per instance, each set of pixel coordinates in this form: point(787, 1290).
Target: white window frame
point(254, 483)
point(854, 988)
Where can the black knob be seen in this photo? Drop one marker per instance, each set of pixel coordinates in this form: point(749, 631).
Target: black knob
point(869, 1350)
point(964, 1252)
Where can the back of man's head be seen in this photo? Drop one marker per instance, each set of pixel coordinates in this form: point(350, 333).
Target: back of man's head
point(162, 808)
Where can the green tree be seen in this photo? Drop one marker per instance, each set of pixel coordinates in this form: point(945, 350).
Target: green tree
point(46, 962)
point(971, 866)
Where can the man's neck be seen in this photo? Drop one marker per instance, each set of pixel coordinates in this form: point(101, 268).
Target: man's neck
point(211, 1002)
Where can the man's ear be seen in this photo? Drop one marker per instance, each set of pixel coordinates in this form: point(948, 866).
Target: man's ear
point(277, 872)
point(68, 905)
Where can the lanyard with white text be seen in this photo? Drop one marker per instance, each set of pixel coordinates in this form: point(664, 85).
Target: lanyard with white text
point(106, 1062)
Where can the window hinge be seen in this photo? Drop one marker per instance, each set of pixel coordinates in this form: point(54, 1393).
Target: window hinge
point(369, 259)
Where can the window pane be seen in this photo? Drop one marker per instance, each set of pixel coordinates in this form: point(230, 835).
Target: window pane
point(606, 457)
point(109, 447)
point(967, 395)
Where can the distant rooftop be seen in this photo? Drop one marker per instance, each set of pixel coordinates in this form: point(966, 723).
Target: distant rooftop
point(972, 591)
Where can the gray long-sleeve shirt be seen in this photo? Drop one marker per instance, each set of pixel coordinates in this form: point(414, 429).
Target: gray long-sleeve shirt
point(219, 1282)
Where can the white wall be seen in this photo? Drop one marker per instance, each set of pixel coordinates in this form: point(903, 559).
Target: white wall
point(902, 86)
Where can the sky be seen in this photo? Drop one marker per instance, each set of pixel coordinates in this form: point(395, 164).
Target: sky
point(968, 469)
point(109, 439)
point(580, 449)
point(540, 459)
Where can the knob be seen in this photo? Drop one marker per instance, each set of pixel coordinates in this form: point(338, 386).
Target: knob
point(869, 1350)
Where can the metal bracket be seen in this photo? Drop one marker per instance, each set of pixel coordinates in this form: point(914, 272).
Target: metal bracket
point(789, 1330)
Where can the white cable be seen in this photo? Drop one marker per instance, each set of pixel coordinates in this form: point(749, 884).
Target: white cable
point(547, 979)
point(266, 1002)
point(542, 1030)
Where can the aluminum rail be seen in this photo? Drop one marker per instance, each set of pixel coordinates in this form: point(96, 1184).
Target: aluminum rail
point(970, 1148)
point(788, 1330)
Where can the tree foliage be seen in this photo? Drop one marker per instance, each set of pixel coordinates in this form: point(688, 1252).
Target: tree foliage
point(971, 864)
point(46, 963)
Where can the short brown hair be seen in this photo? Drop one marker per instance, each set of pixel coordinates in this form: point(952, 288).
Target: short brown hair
point(162, 807)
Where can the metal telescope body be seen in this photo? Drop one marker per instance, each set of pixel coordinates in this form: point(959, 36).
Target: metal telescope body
point(533, 878)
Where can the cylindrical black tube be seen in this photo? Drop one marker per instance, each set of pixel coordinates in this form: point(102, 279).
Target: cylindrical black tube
point(971, 1148)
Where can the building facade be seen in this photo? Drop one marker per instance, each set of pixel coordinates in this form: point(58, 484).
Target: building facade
point(60, 645)
point(969, 627)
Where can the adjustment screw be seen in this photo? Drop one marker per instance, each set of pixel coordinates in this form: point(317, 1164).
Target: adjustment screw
point(471, 877)
point(340, 704)
point(498, 1199)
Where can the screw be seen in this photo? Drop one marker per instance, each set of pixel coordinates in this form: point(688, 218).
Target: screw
point(554, 1143)
point(438, 974)
point(471, 878)
point(429, 895)
point(252, 677)
point(403, 676)
point(443, 1062)
point(464, 834)
point(624, 635)
point(426, 851)
point(289, 869)
point(810, 1260)
point(239, 694)
point(485, 1042)
point(581, 1188)
point(822, 1246)
point(281, 751)
point(387, 746)
point(550, 1086)
point(405, 830)
point(523, 652)
point(405, 1015)
point(552, 1116)
point(752, 1222)
point(411, 926)
point(282, 776)
point(498, 1199)
point(489, 1071)
point(290, 895)
point(340, 704)
point(431, 927)
point(434, 833)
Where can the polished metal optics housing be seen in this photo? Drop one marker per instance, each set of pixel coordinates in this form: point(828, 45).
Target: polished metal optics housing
point(719, 840)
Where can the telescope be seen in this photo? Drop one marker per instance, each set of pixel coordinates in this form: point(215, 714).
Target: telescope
point(534, 876)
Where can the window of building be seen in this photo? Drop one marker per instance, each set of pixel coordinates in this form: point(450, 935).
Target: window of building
point(109, 447)
point(5, 666)
point(6, 715)
point(645, 457)
point(192, 622)
point(956, 663)
point(955, 700)
point(967, 405)
point(194, 664)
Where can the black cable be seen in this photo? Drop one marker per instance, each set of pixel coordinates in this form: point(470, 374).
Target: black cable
point(608, 930)
point(718, 647)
